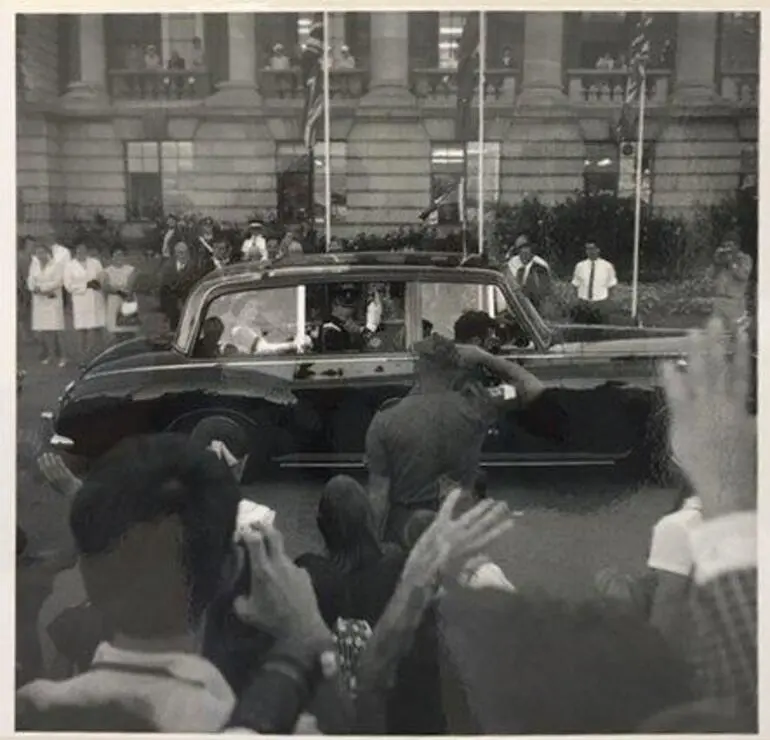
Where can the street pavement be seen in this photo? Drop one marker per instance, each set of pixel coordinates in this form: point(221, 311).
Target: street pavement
point(569, 523)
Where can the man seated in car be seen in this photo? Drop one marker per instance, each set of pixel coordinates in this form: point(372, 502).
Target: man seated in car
point(340, 332)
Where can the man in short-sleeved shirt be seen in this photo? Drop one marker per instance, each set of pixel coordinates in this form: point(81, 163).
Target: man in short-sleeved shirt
point(593, 279)
point(434, 433)
point(671, 561)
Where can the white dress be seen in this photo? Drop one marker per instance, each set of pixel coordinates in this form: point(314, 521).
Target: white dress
point(47, 312)
point(118, 278)
point(87, 303)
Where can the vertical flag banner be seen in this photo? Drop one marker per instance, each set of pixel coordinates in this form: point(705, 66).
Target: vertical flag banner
point(638, 60)
point(467, 52)
point(467, 60)
point(312, 77)
point(631, 127)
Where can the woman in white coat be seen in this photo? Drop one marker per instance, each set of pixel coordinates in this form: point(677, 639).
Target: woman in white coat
point(46, 277)
point(82, 279)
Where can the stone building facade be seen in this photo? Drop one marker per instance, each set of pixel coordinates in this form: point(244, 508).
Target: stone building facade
point(96, 131)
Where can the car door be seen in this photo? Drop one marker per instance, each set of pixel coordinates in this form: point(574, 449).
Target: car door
point(344, 389)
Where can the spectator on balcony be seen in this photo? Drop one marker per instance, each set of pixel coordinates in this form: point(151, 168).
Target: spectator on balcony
point(507, 59)
point(279, 60)
point(175, 83)
point(346, 60)
point(152, 60)
point(134, 58)
point(198, 59)
point(605, 62)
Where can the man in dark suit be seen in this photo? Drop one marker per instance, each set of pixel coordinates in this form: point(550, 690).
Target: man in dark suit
point(179, 275)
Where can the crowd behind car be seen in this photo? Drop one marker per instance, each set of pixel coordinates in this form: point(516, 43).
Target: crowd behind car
point(194, 618)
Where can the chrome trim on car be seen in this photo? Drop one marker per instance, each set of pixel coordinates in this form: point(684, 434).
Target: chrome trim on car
point(57, 441)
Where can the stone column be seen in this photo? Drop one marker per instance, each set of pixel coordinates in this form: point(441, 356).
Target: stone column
point(240, 89)
point(542, 79)
point(92, 85)
point(696, 59)
point(388, 146)
point(389, 66)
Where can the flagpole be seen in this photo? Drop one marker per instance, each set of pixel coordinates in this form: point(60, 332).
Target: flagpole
point(311, 195)
point(638, 203)
point(482, 86)
point(327, 135)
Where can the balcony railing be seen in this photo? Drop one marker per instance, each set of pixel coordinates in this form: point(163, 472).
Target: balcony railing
point(440, 85)
point(608, 87)
point(741, 87)
point(161, 84)
point(288, 84)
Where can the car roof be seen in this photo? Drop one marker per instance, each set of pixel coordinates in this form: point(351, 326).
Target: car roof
point(350, 259)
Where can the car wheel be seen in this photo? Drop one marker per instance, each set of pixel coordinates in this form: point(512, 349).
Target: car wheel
point(261, 437)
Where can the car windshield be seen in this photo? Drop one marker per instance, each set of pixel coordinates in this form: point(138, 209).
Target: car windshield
point(539, 325)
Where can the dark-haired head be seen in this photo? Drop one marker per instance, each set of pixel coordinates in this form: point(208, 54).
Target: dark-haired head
point(345, 520)
point(534, 664)
point(153, 524)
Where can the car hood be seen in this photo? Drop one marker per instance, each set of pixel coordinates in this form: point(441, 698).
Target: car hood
point(623, 341)
point(132, 352)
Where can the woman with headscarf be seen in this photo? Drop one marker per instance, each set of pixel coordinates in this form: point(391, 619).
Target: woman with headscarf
point(117, 279)
point(45, 282)
point(356, 576)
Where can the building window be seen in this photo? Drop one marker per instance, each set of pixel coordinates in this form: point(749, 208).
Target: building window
point(610, 169)
point(450, 29)
point(156, 172)
point(177, 33)
point(293, 182)
point(598, 39)
point(739, 42)
point(128, 35)
point(447, 170)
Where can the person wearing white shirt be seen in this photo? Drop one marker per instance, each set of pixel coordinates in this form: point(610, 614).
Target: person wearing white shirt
point(45, 281)
point(346, 60)
point(671, 562)
point(255, 247)
point(593, 279)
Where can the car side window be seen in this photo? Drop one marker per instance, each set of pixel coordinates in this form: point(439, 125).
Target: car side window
point(442, 304)
point(356, 317)
point(250, 323)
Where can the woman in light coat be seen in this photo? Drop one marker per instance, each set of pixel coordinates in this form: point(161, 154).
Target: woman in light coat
point(117, 279)
point(45, 281)
point(82, 280)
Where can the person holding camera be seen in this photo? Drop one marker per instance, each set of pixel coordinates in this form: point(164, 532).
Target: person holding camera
point(731, 272)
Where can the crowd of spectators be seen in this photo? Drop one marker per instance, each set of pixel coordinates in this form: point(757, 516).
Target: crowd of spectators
point(195, 619)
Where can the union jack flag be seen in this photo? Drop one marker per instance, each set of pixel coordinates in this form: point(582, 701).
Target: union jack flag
point(312, 76)
point(638, 60)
